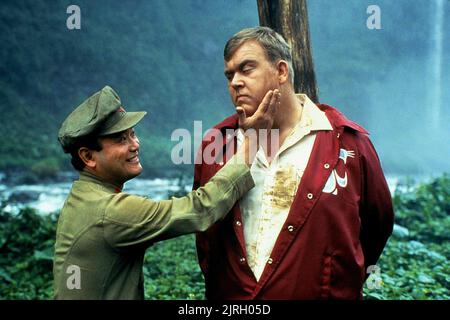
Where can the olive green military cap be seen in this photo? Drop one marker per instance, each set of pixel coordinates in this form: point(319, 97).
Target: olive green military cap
point(101, 113)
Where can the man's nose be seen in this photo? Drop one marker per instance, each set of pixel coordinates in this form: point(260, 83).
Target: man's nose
point(134, 143)
point(237, 81)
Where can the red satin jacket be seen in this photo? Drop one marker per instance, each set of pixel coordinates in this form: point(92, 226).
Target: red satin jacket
point(328, 240)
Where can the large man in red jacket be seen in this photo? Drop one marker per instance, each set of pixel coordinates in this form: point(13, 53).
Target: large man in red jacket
point(321, 211)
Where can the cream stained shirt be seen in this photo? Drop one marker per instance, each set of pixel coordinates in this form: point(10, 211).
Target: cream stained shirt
point(265, 208)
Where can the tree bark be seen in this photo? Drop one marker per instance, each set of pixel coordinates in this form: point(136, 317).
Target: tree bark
point(290, 19)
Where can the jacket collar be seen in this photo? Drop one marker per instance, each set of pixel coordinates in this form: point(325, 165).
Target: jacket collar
point(338, 120)
point(231, 122)
point(312, 116)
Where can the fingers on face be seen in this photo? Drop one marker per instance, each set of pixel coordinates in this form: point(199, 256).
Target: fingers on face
point(274, 102)
point(241, 112)
point(266, 101)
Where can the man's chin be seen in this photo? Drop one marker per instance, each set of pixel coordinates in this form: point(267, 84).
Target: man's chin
point(135, 173)
point(249, 110)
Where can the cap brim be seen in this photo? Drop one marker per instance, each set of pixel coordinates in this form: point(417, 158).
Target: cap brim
point(129, 120)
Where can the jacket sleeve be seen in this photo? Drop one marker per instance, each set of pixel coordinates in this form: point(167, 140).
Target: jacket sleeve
point(201, 238)
point(376, 211)
point(132, 220)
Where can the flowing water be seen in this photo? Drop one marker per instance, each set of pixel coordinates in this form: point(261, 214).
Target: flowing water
point(50, 197)
point(436, 61)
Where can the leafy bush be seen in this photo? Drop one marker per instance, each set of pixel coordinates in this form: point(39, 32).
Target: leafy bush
point(410, 270)
point(172, 272)
point(416, 266)
point(425, 212)
point(26, 255)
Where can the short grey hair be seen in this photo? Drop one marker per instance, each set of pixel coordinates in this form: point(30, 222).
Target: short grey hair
point(273, 43)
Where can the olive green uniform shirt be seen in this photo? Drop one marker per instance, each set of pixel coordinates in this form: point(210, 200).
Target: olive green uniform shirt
point(102, 234)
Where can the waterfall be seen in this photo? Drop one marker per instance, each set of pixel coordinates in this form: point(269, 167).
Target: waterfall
point(437, 52)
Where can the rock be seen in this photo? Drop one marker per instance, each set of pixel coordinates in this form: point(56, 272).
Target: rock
point(436, 256)
point(400, 232)
point(415, 246)
point(23, 196)
point(423, 278)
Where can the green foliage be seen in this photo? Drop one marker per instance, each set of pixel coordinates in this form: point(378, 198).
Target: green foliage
point(172, 272)
point(426, 211)
point(26, 255)
point(157, 54)
point(416, 266)
point(413, 270)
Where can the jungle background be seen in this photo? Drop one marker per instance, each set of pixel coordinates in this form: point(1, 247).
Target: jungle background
point(165, 57)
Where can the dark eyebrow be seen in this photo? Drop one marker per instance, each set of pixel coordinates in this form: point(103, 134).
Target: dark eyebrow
point(115, 136)
point(245, 62)
point(241, 66)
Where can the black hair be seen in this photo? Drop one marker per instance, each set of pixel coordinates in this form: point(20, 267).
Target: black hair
point(91, 142)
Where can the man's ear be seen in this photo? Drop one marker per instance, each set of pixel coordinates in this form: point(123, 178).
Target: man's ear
point(86, 155)
point(283, 71)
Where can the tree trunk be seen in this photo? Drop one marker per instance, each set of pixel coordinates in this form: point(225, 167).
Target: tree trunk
point(290, 19)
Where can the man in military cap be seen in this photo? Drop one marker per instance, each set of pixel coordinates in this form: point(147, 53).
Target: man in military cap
point(102, 232)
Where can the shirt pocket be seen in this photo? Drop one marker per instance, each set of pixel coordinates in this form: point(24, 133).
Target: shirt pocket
point(326, 275)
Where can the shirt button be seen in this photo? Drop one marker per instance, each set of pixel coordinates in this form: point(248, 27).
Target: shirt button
point(270, 261)
point(310, 196)
point(326, 165)
point(221, 163)
point(291, 228)
point(338, 135)
point(242, 260)
point(238, 223)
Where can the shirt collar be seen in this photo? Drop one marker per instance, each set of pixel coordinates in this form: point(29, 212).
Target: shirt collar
point(311, 119)
point(312, 116)
point(90, 177)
